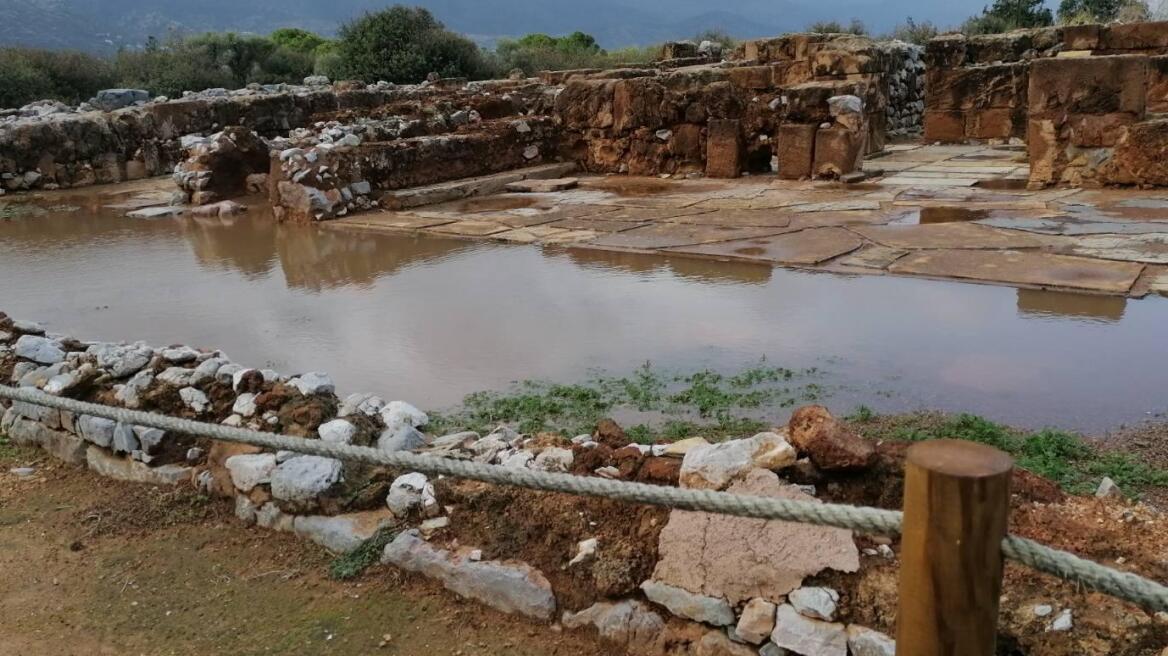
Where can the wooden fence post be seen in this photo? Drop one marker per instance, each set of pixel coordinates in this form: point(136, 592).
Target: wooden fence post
point(956, 506)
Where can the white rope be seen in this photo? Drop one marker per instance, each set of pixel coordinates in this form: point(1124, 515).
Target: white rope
point(1144, 592)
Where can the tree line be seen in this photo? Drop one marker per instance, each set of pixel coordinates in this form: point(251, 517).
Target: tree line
point(404, 45)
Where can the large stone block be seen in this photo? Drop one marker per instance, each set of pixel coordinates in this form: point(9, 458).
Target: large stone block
point(637, 103)
point(1097, 130)
point(837, 63)
point(1081, 37)
point(838, 151)
point(724, 149)
point(1134, 36)
point(796, 149)
point(945, 125)
point(1003, 85)
point(1157, 86)
point(993, 123)
point(1140, 156)
point(752, 78)
point(586, 104)
point(1091, 85)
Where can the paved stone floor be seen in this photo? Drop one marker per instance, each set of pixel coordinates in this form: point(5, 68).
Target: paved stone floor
point(950, 212)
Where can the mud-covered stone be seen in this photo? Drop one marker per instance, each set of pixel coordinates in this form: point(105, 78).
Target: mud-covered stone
point(682, 602)
point(724, 149)
point(807, 636)
point(630, 624)
point(829, 444)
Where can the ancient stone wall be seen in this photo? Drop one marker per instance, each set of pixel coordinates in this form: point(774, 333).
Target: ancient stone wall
point(725, 119)
point(978, 87)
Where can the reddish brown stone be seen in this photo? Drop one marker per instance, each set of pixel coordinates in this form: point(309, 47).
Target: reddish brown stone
point(1098, 130)
point(661, 471)
point(1140, 156)
point(1091, 85)
point(724, 149)
point(1157, 86)
point(637, 103)
point(990, 123)
point(829, 444)
point(609, 433)
point(838, 151)
point(1081, 37)
point(686, 143)
point(751, 77)
point(945, 125)
point(796, 150)
point(1134, 36)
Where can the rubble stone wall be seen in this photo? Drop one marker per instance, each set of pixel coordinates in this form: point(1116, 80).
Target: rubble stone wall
point(714, 609)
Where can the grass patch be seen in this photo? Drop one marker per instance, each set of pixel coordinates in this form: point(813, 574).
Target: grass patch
point(707, 403)
point(353, 564)
point(1065, 458)
point(7, 448)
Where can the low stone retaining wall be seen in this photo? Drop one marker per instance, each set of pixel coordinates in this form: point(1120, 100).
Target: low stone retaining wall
point(717, 587)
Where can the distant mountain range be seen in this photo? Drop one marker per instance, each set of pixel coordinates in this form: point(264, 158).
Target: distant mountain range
point(105, 25)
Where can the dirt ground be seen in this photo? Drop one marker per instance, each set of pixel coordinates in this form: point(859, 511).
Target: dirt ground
point(93, 566)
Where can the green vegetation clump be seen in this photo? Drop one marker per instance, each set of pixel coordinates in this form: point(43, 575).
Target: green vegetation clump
point(1064, 458)
point(404, 45)
point(1006, 15)
point(27, 75)
point(706, 403)
point(353, 564)
point(835, 27)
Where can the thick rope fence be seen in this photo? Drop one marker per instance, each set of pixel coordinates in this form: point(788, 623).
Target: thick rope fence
point(1124, 585)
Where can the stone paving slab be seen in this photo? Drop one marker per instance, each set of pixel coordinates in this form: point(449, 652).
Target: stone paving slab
point(668, 235)
point(946, 235)
point(470, 228)
point(872, 257)
point(641, 215)
point(738, 218)
point(1054, 226)
point(838, 206)
point(806, 247)
point(390, 221)
point(904, 181)
point(1147, 248)
point(597, 224)
point(1022, 268)
point(952, 168)
point(530, 235)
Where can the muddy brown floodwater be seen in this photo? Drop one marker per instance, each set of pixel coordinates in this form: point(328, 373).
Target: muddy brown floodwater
point(430, 320)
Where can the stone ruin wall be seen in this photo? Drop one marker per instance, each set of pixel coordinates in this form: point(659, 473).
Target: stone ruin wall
point(644, 120)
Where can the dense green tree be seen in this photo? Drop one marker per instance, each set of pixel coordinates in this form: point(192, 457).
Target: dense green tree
point(403, 45)
point(1006, 15)
point(294, 38)
point(27, 75)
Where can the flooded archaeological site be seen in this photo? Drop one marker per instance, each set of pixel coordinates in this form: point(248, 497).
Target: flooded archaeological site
point(433, 319)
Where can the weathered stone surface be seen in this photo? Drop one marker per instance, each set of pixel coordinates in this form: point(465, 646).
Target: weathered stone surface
point(757, 621)
point(715, 643)
point(411, 492)
point(98, 430)
point(301, 480)
point(631, 625)
point(838, 151)
point(39, 349)
point(553, 459)
point(815, 602)
point(509, 587)
point(796, 150)
point(714, 466)
point(313, 382)
point(337, 431)
point(863, 641)
point(402, 438)
point(807, 636)
point(58, 444)
point(341, 533)
point(400, 413)
point(697, 607)
point(829, 444)
point(250, 470)
point(121, 360)
point(724, 148)
point(125, 469)
point(740, 559)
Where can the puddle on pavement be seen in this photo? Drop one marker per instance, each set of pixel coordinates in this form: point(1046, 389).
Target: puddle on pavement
point(631, 186)
point(927, 215)
point(492, 204)
point(1003, 184)
point(431, 320)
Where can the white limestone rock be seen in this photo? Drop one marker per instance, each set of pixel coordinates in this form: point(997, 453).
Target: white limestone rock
point(679, 601)
point(250, 470)
point(98, 430)
point(337, 431)
point(553, 459)
point(179, 355)
point(863, 641)
point(302, 480)
point(129, 394)
point(411, 492)
point(714, 466)
point(815, 602)
point(313, 382)
point(366, 404)
point(757, 621)
point(399, 413)
point(633, 626)
point(39, 349)
point(125, 441)
point(194, 399)
point(403, 438)
point(1062, 622)
point(806, 636)
point(245, 405)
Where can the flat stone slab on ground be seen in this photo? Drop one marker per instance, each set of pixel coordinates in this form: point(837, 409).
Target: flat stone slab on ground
point(804, 248)
point(1053, 226)
point(542, 186)
point(596, 224)
point(740, 559)
point(388, 221)
point(1025, 268)
point(1147, 248)
point(666, 235)
point(946, 235)
point(651, 214)
point(738, 218)
point(470, 228)
point(906, 179)
point(872, 257)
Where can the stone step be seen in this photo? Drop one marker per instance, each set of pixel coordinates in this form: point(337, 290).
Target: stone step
point(466, 187)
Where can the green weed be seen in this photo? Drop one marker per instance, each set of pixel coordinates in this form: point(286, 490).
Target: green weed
point(351, 565)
